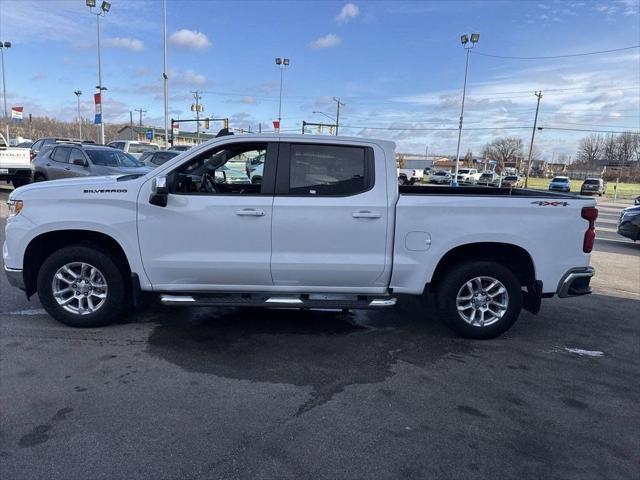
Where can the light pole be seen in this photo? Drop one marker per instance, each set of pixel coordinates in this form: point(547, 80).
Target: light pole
point(104, 8)
point(3, 46)
point(464, 39)
point(282, 64)
point(78, 93)
point(337, 100)
point(333, 120)
point(165, 76)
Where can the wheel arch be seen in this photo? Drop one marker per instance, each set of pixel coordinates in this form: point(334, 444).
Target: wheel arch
point(44, 244)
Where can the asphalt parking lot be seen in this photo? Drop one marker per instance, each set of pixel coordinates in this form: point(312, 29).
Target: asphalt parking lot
point(233, 393)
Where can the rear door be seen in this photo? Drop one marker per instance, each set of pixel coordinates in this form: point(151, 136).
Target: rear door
point(57, 165)
point(330, 218)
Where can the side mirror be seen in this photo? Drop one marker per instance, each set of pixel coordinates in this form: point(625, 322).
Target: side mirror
point(159, 191)
point(80, 162)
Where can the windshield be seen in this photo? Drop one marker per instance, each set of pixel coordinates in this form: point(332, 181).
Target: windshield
point(113, 158)
point(560, 180)
point(487, 175)
point(511, 177)
point(464, 170)
point(441, 173)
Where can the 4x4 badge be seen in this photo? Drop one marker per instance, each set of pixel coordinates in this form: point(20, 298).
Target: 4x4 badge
point(543, 203)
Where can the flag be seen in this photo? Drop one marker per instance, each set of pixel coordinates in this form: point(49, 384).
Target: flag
point(16, 114)
point(98, 101)
point(276, 125)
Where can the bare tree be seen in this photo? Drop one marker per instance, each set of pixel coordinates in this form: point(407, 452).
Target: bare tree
point(609, 150)
point(591, 149)
point(503, 149)
point(625, 147)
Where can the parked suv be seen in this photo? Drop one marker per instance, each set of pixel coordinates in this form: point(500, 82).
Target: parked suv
point(133, 147)
point(593, 186)
point(43, 142)
point(78, 160)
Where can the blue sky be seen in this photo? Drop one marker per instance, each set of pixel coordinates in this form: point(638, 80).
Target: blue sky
point(395, 64)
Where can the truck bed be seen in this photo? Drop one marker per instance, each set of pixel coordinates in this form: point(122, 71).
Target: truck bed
point(479, 191)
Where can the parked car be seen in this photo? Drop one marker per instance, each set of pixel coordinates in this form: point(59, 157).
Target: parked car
point(25, 144)
point(325, 229)
point(133, 147)
point(489, 179)
point(593, 186)
point(181, 148)
point(560, 184)
point(409, 176)
point(441, 177)
point(468, 176)
point(43, 142)
point(15, 164)
point(154, 158)
point(78, 160)
point(254, 167)
point(511, 181)
point(629, 223)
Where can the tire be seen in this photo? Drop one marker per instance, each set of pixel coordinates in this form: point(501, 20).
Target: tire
point(106, 311)
point(19, 182)
point(39, 177)
point(456, 282)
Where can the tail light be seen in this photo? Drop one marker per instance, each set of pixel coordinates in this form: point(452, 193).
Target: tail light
point(32, 154)
point(590, 214)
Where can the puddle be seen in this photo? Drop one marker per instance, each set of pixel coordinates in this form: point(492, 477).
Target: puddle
point(325, 350)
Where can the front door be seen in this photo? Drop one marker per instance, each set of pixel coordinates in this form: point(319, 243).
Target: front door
point(330, 219)
point(215, 231)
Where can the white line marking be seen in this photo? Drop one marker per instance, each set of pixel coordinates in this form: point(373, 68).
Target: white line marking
point(33, 311)
point(585, 353)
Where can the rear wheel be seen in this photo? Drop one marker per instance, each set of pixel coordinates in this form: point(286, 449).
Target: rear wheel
point(82, 287)
point(480, 299)
point(39, 177)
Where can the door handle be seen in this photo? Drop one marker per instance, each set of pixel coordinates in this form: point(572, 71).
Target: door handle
point(48, 164)
point(67, 168)
point(250, 212)
point(366, 214)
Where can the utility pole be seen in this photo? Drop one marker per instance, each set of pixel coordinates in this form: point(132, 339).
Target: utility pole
point(131, 122)
point(337, 100)
point(197, 107)
point(3, 47)
point(533, 135)
point(140, 111)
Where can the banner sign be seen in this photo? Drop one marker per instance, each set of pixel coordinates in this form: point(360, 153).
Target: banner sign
point(276, 125)
point(176, 128)
point(16, 114)
point(97, 98)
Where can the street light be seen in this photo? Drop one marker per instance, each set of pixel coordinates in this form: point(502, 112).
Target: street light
point(78, 93)
point(322, 113)
point(3, 46)
point(282, 64)
point(104, 8)
point(464, 39)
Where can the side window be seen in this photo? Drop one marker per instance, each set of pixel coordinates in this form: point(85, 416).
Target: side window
point(76, 154)
point(160, 157)
point(60, 154)
point(329, 170)
point(221, 171)
point(37, 146)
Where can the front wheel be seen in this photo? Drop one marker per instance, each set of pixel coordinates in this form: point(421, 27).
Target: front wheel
point(82, 287)
point(480, 300)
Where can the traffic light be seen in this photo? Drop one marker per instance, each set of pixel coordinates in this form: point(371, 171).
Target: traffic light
point(206, 123)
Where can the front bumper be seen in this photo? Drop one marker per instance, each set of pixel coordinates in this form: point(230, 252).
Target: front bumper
point(629, 230)
point(15, 277)
point(575, 282)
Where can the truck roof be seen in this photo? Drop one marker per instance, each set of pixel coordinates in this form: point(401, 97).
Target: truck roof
point(297, 137)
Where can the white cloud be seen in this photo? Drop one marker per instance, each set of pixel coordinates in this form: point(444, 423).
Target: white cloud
point(349, 11)
point(188, 77)
point(132, 44)
point(192, 39)
point(328, 41)
point(248, 100)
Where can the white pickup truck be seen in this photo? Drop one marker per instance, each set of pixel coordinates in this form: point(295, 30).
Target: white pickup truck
point(15, 164)
point(328, 227)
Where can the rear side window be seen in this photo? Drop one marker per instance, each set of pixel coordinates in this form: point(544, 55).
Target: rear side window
point(60, 154)
point(141, 148)
point(162, 157)
point(329, 170)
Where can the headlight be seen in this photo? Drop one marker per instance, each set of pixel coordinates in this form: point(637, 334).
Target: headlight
point(15, 207)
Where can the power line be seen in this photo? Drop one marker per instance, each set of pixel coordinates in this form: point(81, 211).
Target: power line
point(557, 56)
point(420, 129)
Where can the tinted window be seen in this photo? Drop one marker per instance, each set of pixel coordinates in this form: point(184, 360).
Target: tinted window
point(145, 156)
point(112, 158)
point(592, 182)
point(76, 155)
point(36, 146)
point(560, 180)
point(60, 154)
point(510, 177)
point(327, 170)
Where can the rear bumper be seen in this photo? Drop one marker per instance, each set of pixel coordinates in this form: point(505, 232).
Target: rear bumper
point(12, 173)
point(15, 277)
point(575, 282)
